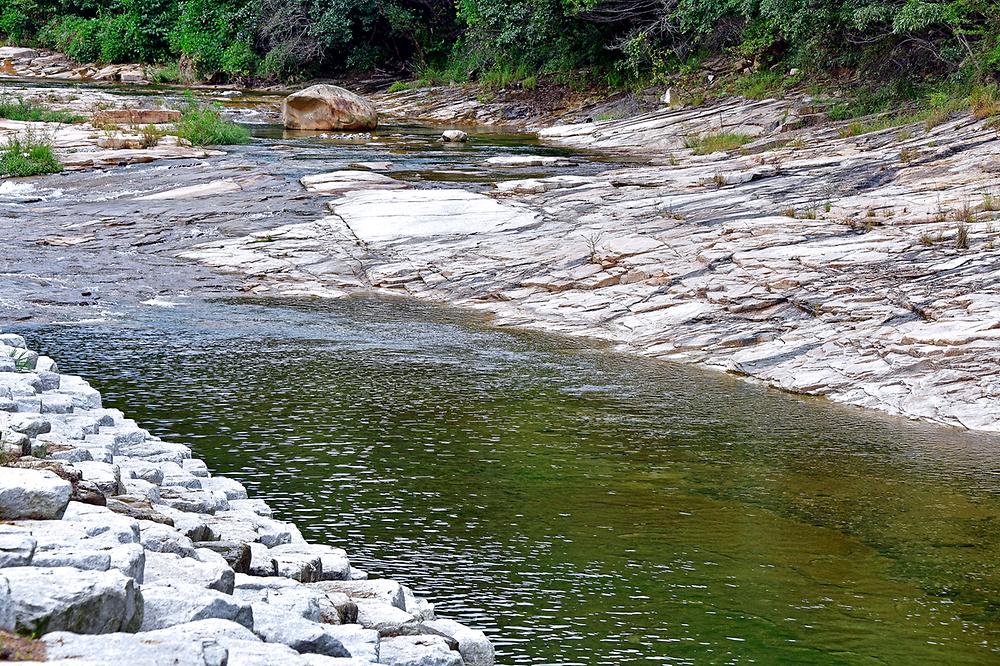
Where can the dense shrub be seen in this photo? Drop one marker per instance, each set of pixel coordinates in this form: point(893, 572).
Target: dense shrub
point(17, 19)
point(508, 40)
point(77, 37)
point(123, 39)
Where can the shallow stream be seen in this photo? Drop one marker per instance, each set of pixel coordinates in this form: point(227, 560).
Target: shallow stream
point(581, 506)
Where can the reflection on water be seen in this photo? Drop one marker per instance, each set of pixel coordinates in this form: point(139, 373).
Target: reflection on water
point(583, 507)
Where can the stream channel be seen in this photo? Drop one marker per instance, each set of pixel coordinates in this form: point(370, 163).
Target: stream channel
point(579, 505)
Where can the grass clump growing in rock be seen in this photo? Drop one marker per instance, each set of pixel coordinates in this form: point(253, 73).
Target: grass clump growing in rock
point(705, 144)
point(151, 136)
point(205, 126)
point(962, 236)
point(28, 154)
point(984, 101)
point(23, 110)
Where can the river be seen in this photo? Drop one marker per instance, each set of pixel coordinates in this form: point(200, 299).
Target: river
point(581, 506)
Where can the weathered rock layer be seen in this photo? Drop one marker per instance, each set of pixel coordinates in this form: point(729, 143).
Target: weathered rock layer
point(862, 268)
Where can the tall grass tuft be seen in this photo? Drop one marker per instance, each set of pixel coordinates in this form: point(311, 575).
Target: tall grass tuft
point(703, 144)
point(205, 126)
point(28, 154)
point(984, 101)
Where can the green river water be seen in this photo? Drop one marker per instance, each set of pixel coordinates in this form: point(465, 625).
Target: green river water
point(581, 506)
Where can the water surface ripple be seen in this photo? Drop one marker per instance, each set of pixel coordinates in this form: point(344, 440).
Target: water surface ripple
point(581, 506)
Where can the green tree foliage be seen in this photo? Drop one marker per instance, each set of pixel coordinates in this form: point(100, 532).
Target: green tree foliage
point(510, 38)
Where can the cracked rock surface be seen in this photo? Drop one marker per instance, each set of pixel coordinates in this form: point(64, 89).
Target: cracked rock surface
point(862, 268)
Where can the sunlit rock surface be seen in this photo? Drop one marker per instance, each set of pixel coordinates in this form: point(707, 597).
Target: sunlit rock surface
point(860, 268)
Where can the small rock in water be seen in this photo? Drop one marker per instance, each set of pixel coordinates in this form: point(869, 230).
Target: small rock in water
point(373, 166)
point(455, 136)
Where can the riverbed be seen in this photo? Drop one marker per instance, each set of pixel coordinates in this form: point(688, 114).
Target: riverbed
point(581, 506)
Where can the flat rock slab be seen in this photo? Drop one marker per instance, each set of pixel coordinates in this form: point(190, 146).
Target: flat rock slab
point(135, 650)
point(224, 186)
point(527, 161)
point(17, 52)
point(374, 216)
point(339, 182)
point(539, 185)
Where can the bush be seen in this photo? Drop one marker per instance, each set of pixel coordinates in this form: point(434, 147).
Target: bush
point(238, 59)
point(124, 39)
point(77, 37)
point(168, 73)
point(620, 42)
point(205, 126)
point(28, 154)
point(216, 36)
point(15, 22)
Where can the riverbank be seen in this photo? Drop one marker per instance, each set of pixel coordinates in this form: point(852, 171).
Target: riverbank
point(857, 265)
point(119, 547)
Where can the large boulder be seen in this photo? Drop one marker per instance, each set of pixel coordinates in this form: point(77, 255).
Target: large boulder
point(68, 599)
point(284, 594)
point(375, 614)
point(256, 653)
point(308, 563)
point(326, 107)
point(360, 642)
point(475, 648)
point(219, 630)
point(180, 603)
point(384, 590)
point(32, 494)
point(17, 547)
